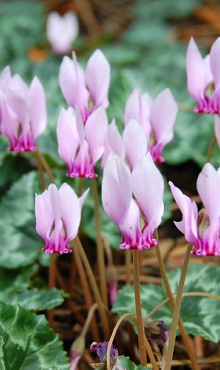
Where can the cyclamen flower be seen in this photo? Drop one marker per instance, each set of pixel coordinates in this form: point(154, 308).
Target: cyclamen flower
point(113, 143)
point(147, 185)
point(203, 77)
point(78, 145)
point(88, 90)
point(62, 31)
point(156, 117)
point(201, 228)
point(58, 215)
point(23, 112)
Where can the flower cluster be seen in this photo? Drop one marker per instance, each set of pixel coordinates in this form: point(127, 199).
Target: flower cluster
point(23, 114)
point(201, 228)
point(146, 183)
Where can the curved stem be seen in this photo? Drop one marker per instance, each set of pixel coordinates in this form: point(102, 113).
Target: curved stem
point(176, 310)
point(128, 265)
point(100, 249)
point(86, 290)
point(94, 288)
point(211, 147)
point(191, 294)
point(138, 309)
point(184, 335)
point(150, 353)
point(45, 166)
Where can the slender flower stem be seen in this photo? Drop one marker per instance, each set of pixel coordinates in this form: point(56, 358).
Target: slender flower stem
point(211, 147)
point(45, 166)
point(94, 287)
point(86, 290)
point(52, 268)
point(100, 249)
point(191, 294)
point(149, 350)
point(140, 325)
point(176, 310)
point(89, 319)
point(184, 335)
point(128, 266)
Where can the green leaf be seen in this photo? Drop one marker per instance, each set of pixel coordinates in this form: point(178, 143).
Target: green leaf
point(200, 315)
point(19, 240)
point(15, 281)
point(36, 300)
point(127, 364)
point(29, 343)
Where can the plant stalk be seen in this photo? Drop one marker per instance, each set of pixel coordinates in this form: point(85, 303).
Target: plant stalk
point(140, 325)
point(176, 310)
point(100, 249)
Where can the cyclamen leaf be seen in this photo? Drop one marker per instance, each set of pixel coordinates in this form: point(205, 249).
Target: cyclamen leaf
point(19, 240)
point(36, 300)
point(28, 342)
point(200, 315)
point(127, 364)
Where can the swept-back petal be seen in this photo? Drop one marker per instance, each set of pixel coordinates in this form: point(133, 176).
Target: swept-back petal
point(44, 214)
point(214, 62)
point(37, 108)
point(71, 211)
point(113, 143)
point(135, 142)
point(95, 133)
point(163, 115)
point(130, 228)
point(138, 107)
point(72, 84)
point(67, 135)
point(19, 107)
point(55, 203)
point(5, 78)
point(208, 185)
point(148, 188)
point(196, 71)
point(188, 208)
point(217, 128)
point(98, 79)
point(116, 188)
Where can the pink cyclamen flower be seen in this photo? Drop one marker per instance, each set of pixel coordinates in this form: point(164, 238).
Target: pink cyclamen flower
point(201, 228)
point(88, 90)
point(62, 31)
point(147, 185)
point(78, 145)
point(58, 215)
point(156, 117)
point(113, 143)
point(203, 77)
point(23, 111)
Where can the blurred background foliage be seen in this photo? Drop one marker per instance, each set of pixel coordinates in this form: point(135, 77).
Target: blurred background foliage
point(145, 42)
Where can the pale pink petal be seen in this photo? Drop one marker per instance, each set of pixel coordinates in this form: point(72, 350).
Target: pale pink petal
point(5, 78)
point(95, 133)
point(72, 84)
point(83, 197)
point(113, 143)
point(9, 122)
point(138, 107)
point(67, 136)
point(148, 188)
point(208, 185)
point(163, 115)
point(19, 86)
point(37, 108)
point(79, 125)
point(98, 78)
point(62, 31)
point(130, 228)
point(55, 203)
point(71, 211)
point(20, 108)
point(214, 62)
point(188, 208)
point(44, 214)
point(196, 71)
point(116, 188)
point(135, 142)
